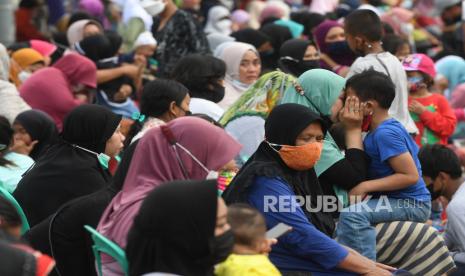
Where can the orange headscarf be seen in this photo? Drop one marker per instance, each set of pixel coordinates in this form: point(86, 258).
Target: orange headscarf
point(21, 59)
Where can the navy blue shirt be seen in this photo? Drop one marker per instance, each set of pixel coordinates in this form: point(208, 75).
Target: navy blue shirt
point(305, 248)
point(388, 140)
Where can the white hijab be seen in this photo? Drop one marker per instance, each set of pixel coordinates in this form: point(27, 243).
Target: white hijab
point(216, 24)
point(133, 9)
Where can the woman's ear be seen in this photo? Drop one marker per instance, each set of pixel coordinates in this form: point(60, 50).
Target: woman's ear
point(172, 109)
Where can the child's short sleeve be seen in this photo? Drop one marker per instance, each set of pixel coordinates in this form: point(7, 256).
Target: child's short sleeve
point(390, 143)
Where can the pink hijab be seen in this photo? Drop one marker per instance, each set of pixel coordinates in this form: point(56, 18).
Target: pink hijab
point(50, 89)
point(155, 163)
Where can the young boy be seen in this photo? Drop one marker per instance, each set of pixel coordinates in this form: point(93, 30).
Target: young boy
point(397, 191)
point(434, 118)
point(364, 31)
point(248, 257)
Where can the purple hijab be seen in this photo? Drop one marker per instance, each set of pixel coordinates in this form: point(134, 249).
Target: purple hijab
point(320, 35)
point(154, 163)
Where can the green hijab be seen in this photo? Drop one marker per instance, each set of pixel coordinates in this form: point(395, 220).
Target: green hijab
point(321, 88)
point(261, 97)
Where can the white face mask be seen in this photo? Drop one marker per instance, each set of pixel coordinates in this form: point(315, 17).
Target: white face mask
point(24, 75)
point(224, 26)
point(153, 7)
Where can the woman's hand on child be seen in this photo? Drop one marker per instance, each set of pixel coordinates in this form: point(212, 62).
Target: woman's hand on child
point(416, 107)
point(352, 113)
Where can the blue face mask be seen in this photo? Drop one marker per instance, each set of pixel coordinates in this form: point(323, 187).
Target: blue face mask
point(414, 83)
point(102, 158)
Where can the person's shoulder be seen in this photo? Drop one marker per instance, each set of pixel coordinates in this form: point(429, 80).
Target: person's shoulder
point(19, 159)
point(389, 129)
point(457, 204)
point(248, 265)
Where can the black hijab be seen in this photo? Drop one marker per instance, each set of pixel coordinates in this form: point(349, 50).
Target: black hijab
point(282, 126)
point(174, 230)
point(251, 36)
point(41, 127)
point(277, 34)
point(291, 57)
point(95, 47)
point(66, 172)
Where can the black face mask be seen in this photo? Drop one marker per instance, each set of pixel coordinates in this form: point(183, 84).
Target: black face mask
point(434, 194)
point(222, 247)
point(452, 21)
point(305, 65)
point(339, 48)
point(216, 94)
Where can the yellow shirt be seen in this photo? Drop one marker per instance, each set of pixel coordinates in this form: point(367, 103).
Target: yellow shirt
point(238, 265)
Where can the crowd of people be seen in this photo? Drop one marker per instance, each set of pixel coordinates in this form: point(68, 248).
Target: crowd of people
point(221, 137)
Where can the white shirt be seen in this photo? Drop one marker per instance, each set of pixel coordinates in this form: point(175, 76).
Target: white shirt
point(399, 107)
point(455, 229)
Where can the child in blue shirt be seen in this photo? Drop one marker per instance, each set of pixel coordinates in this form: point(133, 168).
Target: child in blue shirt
point(395, 189)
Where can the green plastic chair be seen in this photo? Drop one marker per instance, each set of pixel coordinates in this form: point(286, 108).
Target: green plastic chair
point(4, 193)
point(103, 244)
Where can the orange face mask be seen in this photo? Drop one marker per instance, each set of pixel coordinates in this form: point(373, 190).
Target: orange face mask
point(299, 158)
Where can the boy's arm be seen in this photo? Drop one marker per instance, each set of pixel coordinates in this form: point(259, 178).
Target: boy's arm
point(405, 174)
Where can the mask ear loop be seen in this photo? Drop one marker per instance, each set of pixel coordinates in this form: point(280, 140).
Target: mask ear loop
point(172, 141)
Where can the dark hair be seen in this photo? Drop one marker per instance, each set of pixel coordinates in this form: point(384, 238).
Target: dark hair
point(427, 79)
point(309, 20)
point(208, 119)
point(197, 71)
point(364, 23)
point(155, 101)
point(6, 135)
point(373, 85)
point(9, 217)
point(439, 158)
point(247, 223)
point(392, 43)
point(80, 15)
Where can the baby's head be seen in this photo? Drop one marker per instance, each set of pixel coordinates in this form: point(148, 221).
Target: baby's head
point(249, 229)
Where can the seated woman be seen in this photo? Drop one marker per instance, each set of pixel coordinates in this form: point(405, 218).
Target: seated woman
point(282, 167)
point(319, 90)
point(204, 76)
point(12, 164)
point(297, 56)
point(243, 67)
point(185, 148)
point(175, 228)
point(74, 166)
point(245, 119)
point(335, 52)
point(161, 101)
point(36, 128)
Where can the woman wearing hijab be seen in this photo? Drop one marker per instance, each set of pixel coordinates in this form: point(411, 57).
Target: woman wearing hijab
point(451, 68)
point(161, 102)
point(11, 104)
point(245, 119)
point(282, 167)
point(63, 236)
point(278, 35)
point(75, 166)
point(204, 77)
point(134, 21)
point(336, 54)
point(185, 148)
point(24, 63)
point(319, 90)
point(243, 67)
point(82, 29)
point(218, 21)
point(58, 89)
point(298, 56)
point(181, 229)
point(34, 125)
point(12, 164)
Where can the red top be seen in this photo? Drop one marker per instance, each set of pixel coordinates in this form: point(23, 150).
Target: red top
point(437, 123)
